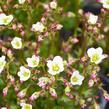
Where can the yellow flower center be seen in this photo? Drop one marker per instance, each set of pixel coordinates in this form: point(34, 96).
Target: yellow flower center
point(95, 57)
point(27, 107)
point(34, 62)
point(5, 20)
point(74, 79)
point(25, 74)
point(17, 44)
point(55, 67)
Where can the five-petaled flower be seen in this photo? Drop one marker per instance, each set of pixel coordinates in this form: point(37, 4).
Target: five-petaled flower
point(26, 106)
point(24, 73)
point(92, 19)
point(33, 62)
point(2, 63)
point(95, 55)
point(16, 43)
point(76, 78)
point(5, 19)
point(56, 65)
point(38, 27)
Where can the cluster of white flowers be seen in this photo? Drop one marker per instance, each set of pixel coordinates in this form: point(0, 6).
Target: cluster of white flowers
point(38, 27)
point(5, 19)
point(76, 78)
point(26, 106)
point(95, 55)
point(24, 73)
point(92, 19)
point(21, 1)
point(33, 62)
point(56, 65)
point(2, 63)
point(16, 43)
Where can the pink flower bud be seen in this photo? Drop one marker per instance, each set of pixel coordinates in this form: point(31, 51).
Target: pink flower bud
point(22, 33)
point(34, 96)
point(43, 19)
point(20, 26)
point(14, 26)
point(41, 84)
point(69, 95)
point(5, 91)
point(75, 40)
point(91, 83)
point(16, 89)
point(29, 1)
point(93, 76)
point(43, 81)
point(12, 79)
point(9, 53)
point(106, 96)
point(46, 6)
point(22, 93)
point(46, 34)
point(53, 93)
point(95, 29)
point(40, 38)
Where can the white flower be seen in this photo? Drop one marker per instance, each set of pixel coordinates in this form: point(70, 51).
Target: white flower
point(33, 62)
point(2, 63)
point(5, 19)
point(24, 73)
point(16, 43)
point(105, 3)
point(92, 19)
point(26, 106)
point(76, 78)
point(96, 55)
point(21, 1)
point(56, 66)
point(53, 5)
point(38, 27)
